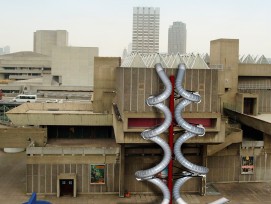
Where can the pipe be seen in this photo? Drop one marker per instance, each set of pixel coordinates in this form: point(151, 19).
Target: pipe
point(171, 138)
point(160, 184)
point(168, 88)
point(177, 186)
point(191, 131)
point(199, 130)
point(153, 135)
point(149, 173)
point(195, 97)
point(146, 134)
point(182, 160)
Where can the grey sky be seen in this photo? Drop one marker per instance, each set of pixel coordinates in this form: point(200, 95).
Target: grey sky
point(107, 24)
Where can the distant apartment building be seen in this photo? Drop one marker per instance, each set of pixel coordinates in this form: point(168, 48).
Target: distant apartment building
point(177, 38)
point(146, 29)
point(4, 50)
point(45, 40)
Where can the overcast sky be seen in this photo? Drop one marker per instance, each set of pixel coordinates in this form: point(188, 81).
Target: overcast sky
point(107, 24)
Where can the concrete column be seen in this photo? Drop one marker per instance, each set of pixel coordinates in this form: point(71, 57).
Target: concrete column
point(203, 186)
point(204, 162)
point(122, 171)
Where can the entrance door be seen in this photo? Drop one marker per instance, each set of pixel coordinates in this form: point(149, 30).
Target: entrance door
point(248, 106)
point(66, 187)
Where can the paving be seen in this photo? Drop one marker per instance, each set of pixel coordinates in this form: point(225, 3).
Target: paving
point(13, 182)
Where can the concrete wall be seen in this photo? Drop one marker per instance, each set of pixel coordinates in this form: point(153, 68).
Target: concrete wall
point(58, 114)
point(105, 83)
point(254, 70)
point(240, 97)
point(74, 66)
point(45, 164)
point(24, 65)
point(258, 86)
point(45, 40)
point(225, 52)
point(225, 166)
point(135, 85)
point(25, 59)
point(42, 178)
point(22, 137)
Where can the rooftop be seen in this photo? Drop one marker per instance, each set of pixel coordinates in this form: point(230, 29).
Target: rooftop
point(192, 61)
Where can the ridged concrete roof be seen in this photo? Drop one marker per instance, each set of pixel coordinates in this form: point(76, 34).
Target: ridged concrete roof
point(192, 61)
point(249, 59)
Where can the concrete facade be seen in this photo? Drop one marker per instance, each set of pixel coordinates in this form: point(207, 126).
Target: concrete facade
point(236, 147)
point(105, 83)
point(45, 40)
point(51, 51)
point(24, 65)
point(74, 66)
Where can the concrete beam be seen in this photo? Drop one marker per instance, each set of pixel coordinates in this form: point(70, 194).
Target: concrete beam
point(69, 159)
point(250, 121)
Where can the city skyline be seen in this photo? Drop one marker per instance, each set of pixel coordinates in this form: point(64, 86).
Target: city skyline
point(89, 24)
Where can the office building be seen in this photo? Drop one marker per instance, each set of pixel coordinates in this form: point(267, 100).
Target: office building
point(145, 29)
point(177, 38)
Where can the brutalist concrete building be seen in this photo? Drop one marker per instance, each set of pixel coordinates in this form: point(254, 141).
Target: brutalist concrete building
point(96, 147)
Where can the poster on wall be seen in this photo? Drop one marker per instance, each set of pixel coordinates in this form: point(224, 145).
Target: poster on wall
point(97, 174)
point(247, 165)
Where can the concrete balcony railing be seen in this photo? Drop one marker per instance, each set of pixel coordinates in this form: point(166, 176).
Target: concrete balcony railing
point(72, 155)
point(72, 151)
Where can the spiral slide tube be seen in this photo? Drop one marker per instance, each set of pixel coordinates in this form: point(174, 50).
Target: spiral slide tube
point(168, 88)
point(176, 189)
point(191, 131)
point(153, 135)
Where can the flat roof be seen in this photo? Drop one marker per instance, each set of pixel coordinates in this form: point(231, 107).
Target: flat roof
point(60, 112)
point(77, 114)
point(264, 117)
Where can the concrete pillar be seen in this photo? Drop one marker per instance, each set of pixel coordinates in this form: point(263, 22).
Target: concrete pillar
point(122, 171)
point(204, 162)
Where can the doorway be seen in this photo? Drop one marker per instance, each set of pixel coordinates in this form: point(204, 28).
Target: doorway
point(249, 106)
point(66, 187)
point(66, 184)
